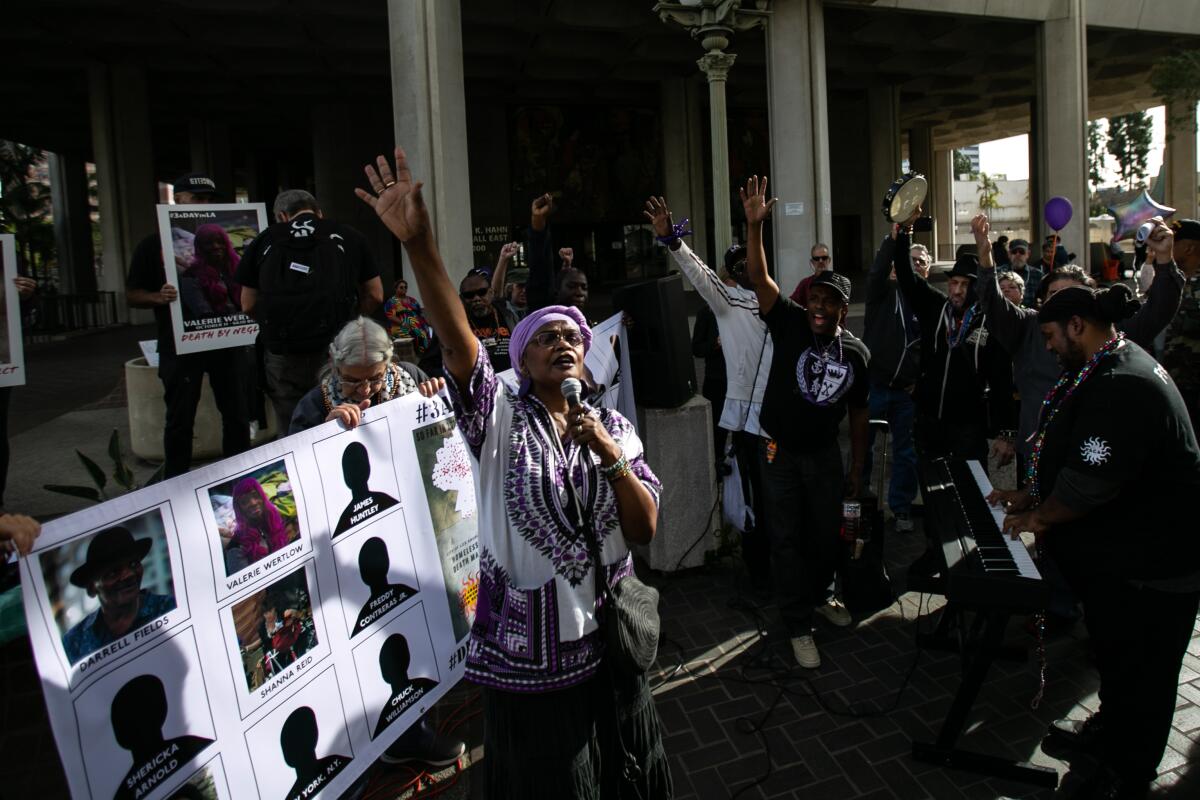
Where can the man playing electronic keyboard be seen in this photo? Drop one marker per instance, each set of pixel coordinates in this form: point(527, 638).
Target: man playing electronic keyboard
point(1114, 454)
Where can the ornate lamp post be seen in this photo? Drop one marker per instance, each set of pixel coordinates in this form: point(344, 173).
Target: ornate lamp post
point(712, 23)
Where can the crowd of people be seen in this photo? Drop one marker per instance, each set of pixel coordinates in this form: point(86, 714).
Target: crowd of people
point(1009, 358)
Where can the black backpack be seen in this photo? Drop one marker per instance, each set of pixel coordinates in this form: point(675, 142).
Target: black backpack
point(306, 291)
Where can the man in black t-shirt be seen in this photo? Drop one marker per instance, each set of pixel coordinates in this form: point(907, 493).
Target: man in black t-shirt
point(1115, 460)
point(818, 371)
point(490, 319)
point(291, 362)
point(228, 369)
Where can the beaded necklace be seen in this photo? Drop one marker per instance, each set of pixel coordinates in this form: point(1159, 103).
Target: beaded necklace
point(954, 334)
point(1051, 403)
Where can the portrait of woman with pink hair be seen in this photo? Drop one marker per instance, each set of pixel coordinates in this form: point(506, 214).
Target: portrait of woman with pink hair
point(207, 286)
point(259, 529)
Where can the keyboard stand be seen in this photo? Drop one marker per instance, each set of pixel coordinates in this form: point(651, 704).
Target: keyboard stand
point(978, 646)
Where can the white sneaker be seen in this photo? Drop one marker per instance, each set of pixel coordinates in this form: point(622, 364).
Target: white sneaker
point(904, 523)
point(805, 651)
point(836, 613)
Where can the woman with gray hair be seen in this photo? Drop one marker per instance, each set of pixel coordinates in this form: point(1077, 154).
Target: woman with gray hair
point(360, 373)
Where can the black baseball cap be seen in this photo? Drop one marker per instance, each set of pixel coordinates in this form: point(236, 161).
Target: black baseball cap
point(196, 183)
point(733, 255)
point(839, 283)
point(1013, 244)
point(1186, 230)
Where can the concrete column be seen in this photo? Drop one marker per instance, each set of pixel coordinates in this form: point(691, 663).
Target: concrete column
point(921, 159)
point(72, 224)
point(799, 114)
point(683, 160)
point(941, 189)
point(124, 169)
point(344, 139)
point(1061, 119)
point(430, 119)
point(716, 66)
point(883, 122)
point(210, 151)
point(1179, 161)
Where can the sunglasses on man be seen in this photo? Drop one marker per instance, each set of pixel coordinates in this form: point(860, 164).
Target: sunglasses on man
point(820, 258)
point(473, 295)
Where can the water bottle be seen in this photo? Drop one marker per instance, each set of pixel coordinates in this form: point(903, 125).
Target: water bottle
point(851, 520)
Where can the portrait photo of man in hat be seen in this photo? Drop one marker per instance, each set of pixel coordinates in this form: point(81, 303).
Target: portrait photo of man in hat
point(112, 572)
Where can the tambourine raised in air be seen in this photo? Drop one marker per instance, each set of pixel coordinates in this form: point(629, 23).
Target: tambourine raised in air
point(904, 197)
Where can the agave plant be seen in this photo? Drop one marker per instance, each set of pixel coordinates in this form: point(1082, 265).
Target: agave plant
point(122, 476)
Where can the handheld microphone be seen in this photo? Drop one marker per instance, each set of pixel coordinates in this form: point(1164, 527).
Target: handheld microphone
point(572, 390)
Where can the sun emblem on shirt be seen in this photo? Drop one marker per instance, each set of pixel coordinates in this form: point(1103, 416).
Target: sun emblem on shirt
point(1095, 451)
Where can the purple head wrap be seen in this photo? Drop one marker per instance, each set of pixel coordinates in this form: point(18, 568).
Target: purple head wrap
point(246, 534)
point(527, 327)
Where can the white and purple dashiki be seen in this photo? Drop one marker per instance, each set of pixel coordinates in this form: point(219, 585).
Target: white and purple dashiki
point(535, 625)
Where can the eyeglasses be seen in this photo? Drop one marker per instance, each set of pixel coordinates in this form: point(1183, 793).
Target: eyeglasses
point(474, 294)
point(550, 338)
point(372, 384)
point(820, 258)
point(920, 260)
point(1018, 251)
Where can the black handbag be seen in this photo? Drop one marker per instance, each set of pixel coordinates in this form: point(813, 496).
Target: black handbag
point(631, 623)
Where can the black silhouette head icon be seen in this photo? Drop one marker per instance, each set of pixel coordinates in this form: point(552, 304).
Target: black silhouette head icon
point(139, 711)
point(298, 738)
point(373, 563)
point(394, 659)
point(356, 468)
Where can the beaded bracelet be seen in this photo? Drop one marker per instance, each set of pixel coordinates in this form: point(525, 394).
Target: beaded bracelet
point(617, 470)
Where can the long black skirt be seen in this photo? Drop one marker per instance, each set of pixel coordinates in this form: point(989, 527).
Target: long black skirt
point(563, 745)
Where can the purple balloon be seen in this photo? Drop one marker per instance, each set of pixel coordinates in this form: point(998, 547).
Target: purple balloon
point(1058, 212)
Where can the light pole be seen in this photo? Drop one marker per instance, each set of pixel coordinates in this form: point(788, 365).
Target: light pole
point(712, 23)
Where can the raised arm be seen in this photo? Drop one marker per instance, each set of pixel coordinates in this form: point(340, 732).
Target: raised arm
point(758, 208)
point(399, 204)
point(539, 287)
point(1005, 321)
point(500, 273)
point(1165, 292)
point(698, 274)
point(877, 278)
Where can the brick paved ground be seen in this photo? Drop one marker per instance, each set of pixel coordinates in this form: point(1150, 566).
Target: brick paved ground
point(743, 721)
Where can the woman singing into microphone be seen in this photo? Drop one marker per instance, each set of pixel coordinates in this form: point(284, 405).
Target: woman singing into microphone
point(551, 701)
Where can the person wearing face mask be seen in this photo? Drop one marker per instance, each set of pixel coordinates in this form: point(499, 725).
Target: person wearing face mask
point(818, 375)
point(551, 474)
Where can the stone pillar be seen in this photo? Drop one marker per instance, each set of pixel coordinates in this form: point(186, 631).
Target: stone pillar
point(921, 159)
point(716, 66)
point(345, 137)
point(430, 119)
point(683, 161)
point(1179, 161)
point(1061, 120)
point(72, 224)
point(210, 151)
point(883, 121)
point(799, 114)
point(124, 170)
point(941, 189)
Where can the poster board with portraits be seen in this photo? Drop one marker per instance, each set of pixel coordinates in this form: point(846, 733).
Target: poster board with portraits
point(202, 246)
point(12, 351)
point(265, 626)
